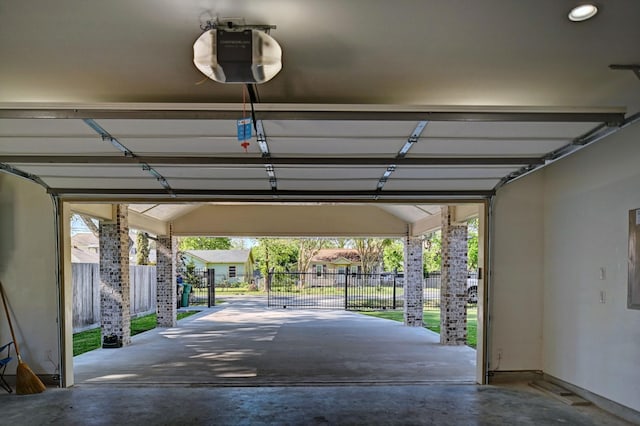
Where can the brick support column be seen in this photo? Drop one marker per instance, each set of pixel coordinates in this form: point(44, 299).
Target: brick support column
point(413, 295)
point(453, 291)
point(166, 250)
point(115, 315)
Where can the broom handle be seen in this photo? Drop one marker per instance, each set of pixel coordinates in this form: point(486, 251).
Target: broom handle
point(6, 310)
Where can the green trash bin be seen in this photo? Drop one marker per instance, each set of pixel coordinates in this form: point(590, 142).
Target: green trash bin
point(186, 291)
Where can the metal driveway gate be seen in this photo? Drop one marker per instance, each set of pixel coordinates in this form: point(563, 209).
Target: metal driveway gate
point(202, 289)
point(351, 291)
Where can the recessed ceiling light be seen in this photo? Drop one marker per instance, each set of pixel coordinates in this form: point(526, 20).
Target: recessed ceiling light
point(583, 12)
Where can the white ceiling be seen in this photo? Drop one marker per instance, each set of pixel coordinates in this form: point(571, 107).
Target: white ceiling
point(412, 52)
point(116, 61)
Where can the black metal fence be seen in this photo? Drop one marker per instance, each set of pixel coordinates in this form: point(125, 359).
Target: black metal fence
point(353, 291)
point(312, 290)
point(432, 284)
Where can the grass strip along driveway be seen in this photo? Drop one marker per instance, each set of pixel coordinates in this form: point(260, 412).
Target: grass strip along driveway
point(89, 340)
point(431, 321)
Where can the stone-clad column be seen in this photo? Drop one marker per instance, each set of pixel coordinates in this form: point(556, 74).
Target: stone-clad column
point(453, 290)
point(166, 250)
point(413, 295)
point(114, 279)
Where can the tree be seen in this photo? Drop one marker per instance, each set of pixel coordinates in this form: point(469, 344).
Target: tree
point(393, 256)
point(205, 243)
point(370, 251)
point(275, 254)
point(142, 249)
point(472, 244)
point(307, 248)
point(241, 243)
point(90, 224)
point(433, 248)
point(432, 254)
point(187, 269)
point(340, 243)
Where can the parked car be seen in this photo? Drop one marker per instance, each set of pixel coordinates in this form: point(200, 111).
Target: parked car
point(387, 277)
point(472, 283)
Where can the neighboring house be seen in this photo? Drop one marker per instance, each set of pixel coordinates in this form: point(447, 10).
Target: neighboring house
point(85, 248)
point(336, 261)
point(229, 265)
point(81, 256)
point(86, 242)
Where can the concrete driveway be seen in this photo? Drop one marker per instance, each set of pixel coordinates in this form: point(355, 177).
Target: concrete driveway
point(242, 343)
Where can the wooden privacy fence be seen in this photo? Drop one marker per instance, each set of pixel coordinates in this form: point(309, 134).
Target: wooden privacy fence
point(86, 292)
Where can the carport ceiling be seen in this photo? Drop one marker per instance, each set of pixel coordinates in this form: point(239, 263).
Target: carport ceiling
point(100, 101)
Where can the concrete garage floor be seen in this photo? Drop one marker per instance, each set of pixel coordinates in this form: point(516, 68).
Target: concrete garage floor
point(244, 343)
point(241, 364)
point(315, 405)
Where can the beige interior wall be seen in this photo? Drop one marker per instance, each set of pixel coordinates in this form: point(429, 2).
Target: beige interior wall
point(28, 272)
point(558, 295)
point(516, 285)
point(289, 220)
point(592, 341)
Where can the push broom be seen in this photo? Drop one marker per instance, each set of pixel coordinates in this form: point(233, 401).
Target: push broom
point(26, 380)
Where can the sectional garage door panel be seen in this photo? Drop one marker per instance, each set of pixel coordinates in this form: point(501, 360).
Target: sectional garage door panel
point(200, 146)
point(81, 171)
point(122, 183)
point(310, 158)
point(72, 145)
point(221, 184)
point(485, 147)
point(362, 146)
point(200, 172)
point(508, 130)
point(441, 185)
point(123, 128)
point(338, 129)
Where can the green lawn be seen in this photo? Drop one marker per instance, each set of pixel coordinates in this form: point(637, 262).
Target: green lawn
point(431, 320)
point(89, 340)
point(293, 290)
point(238, 291)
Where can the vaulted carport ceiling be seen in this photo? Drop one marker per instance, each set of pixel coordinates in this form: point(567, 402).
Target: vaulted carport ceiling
point(100, 101)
